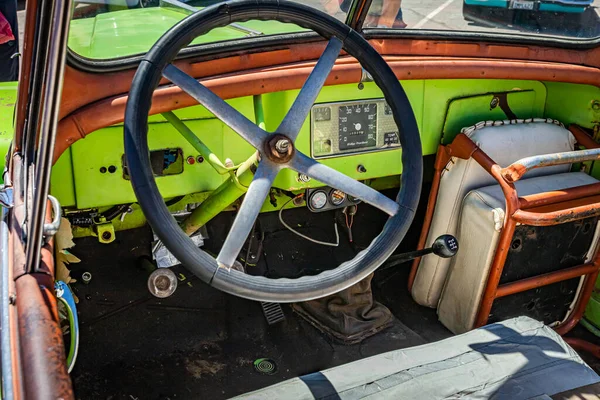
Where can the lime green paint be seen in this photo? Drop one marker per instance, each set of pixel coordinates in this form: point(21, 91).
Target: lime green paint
point(61, 183)
point(196, 143)
point(384, 163)
point(592, 311)
point(224, 196)
point(259, 112)
point(136, 218)
point(439, 94)
point(470, 110)
point(438, 105)
point(8, 99)
point(105, 148)
point(134, 31)
point(570, 103)
point(431, 101)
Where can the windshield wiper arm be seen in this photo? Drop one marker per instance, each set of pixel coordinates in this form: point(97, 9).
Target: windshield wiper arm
point(177, 5)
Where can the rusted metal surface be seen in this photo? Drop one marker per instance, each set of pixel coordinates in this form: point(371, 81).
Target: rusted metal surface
point(549, 198)
point(516, 170)
point(546, 279)
point(583, 345)
point(590, 208)
point(579, 308)
point(41, 348)
point(441, 160)
point(428, 60)
point(582, 137)
point(87, 98)
point(489, 294)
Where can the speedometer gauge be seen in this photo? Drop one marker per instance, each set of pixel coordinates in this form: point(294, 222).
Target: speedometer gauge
point(357, 126)
point(317, 200)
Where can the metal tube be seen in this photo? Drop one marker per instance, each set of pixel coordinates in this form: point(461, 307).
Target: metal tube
point(545, 279)
point(196, 143)
point(47, 130)
point(225, 195)
point(259, 112)
point(441, 160)
point(557, 217)
point(580, 344)
point(558, 196)
point(489, 294)
point(516, 170)
point(5, 338)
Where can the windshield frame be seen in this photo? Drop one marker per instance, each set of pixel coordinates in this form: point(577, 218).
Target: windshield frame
point(355, 18)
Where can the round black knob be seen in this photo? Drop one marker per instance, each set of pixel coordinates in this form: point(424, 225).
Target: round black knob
point(445, 246)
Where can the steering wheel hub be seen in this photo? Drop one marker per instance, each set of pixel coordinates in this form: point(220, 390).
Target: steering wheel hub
point(279, 148)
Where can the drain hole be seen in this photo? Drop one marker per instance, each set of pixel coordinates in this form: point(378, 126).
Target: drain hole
point(531, 305)
point(586, 227)
point(516, 244)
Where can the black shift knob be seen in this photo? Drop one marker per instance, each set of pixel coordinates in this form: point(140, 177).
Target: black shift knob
point(445, 246)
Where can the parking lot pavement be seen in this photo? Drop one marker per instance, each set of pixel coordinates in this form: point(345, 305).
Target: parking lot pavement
point(448, 15)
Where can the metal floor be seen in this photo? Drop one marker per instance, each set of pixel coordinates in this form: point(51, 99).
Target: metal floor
point(202, 343)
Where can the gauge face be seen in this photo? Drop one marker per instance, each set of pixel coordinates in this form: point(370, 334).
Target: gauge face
point(337, 197)
point(318, 200)
point(357, 126)
point(322, 113)
point(354, 200)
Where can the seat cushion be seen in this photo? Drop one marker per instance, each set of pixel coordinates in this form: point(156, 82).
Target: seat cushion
point(478, 232)
point(516, 359)
point(505, 144)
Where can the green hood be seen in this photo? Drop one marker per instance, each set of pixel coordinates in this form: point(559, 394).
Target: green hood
point(134, 31)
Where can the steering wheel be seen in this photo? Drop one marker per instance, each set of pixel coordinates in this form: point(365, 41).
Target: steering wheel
point(276, 149)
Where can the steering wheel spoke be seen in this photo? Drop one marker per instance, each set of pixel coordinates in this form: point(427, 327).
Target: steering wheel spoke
point(213, 103)
point(277, 150)
point(248, 212)
point(329, 176)
point(294, 119)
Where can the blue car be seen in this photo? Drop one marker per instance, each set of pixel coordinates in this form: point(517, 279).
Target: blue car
point(473, 8)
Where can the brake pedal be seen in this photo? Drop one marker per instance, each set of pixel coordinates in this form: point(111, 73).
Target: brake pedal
point(273, 312)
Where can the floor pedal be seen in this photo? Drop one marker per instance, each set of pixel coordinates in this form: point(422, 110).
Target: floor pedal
point(273, 312)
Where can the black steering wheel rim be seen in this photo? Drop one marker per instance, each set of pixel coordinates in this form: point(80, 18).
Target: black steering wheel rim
point(162, 222)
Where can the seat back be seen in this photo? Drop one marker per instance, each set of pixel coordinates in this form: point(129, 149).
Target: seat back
point(505, 142)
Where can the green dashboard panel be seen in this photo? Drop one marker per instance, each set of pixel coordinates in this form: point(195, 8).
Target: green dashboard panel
point(8, 99)
point(91, 174)
point(98, 159)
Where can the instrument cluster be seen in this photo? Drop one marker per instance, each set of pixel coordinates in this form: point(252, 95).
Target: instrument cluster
point(328, 198)
point(352, 127)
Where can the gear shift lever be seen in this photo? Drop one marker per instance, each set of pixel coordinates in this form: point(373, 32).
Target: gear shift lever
point(444, 246)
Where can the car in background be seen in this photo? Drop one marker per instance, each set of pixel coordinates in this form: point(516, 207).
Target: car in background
point(482, 9)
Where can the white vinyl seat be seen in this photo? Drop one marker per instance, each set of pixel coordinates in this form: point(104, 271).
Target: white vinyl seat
point(480, 222)
point(516, 359)
point(505, 142)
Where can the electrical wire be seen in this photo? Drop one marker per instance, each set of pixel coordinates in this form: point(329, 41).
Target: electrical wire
point(337, 235)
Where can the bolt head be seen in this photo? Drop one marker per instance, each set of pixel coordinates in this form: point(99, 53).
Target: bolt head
point(279, 148)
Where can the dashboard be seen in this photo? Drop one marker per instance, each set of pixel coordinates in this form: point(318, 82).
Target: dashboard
point(352, 127)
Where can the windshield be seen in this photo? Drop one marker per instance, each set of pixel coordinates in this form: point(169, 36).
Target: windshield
point(108, 29)
point(555, 18)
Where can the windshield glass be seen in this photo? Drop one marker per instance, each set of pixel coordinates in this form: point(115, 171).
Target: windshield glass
point(107, 29)
point(556, 18)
